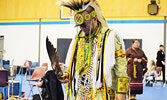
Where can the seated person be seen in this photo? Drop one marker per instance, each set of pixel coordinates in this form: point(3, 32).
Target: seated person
point(151, 72)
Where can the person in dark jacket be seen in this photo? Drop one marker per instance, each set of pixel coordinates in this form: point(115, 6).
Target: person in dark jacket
point(52, 89)
point(161, 61)
point(136, 65)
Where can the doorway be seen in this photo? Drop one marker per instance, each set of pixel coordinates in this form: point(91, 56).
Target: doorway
point(1, 49)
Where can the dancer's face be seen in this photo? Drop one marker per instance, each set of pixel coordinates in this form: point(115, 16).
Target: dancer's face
point(87, 23)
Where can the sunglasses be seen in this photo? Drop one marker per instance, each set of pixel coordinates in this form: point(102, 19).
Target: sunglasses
point(79, 18)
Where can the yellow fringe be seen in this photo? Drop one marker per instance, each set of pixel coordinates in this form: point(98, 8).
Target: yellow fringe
point(134, 70)
point(144, 59)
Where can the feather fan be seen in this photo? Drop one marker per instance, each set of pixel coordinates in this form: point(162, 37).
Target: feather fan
point(54, 58)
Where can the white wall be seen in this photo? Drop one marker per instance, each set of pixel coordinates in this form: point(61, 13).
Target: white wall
point(53, 32)
point(151, 35)
point(21, 41)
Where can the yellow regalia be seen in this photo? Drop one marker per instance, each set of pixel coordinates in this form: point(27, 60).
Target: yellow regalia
point(96, 64)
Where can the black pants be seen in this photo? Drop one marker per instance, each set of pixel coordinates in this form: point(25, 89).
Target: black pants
point(163, 73)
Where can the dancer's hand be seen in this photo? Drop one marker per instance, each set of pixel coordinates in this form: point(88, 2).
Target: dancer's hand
point(135, 60)
point(139, 60)
point(120, 97)
point(65, 78)
point(61, 66)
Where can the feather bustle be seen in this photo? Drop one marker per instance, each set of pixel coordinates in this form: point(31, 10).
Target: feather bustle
point(73, 4)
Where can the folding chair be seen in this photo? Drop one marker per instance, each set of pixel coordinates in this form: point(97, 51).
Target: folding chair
point(33, 66)
point(45, 65)
point(4, 81)
point(148, 80)
point(38, 73)
point(159, 79)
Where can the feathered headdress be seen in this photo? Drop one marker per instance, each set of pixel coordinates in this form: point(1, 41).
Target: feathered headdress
point(75, 5)
point(81, 5)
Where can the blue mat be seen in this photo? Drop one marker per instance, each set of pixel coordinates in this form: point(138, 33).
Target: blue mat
point(156, 92)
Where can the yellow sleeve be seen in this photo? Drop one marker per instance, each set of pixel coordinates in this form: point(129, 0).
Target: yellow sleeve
point(121, 63)
point(119, 72)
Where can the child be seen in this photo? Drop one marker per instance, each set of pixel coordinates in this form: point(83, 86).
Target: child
point(151, 72)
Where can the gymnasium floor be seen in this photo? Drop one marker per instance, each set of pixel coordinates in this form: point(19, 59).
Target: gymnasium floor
point(157, 92)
